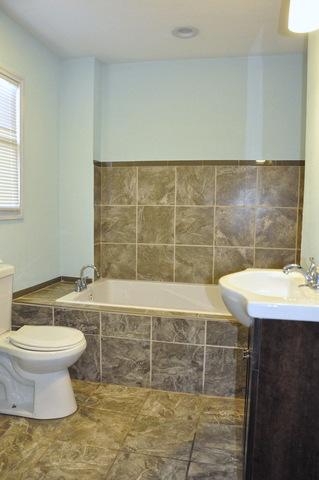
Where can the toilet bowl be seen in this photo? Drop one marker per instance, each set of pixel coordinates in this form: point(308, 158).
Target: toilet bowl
point(34, 361)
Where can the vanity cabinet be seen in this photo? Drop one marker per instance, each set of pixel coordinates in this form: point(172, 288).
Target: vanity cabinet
point(282, 403)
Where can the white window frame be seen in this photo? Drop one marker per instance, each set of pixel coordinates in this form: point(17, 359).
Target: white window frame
point(15, 214)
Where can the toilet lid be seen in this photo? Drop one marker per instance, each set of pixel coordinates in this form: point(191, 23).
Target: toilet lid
point(46, 338)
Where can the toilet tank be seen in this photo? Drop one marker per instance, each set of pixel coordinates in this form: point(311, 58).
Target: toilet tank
point(6, 282)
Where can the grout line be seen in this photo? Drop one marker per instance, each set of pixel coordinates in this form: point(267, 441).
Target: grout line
point(171, 205)
point(234, 347)
point(255, 219)
point(297, 222)
point(201, 246)
point(214, 225)
point(100, 344)
point(151, 351)
point(174, 253)
point(191, 451)
point(204, 361)
point(136, 224)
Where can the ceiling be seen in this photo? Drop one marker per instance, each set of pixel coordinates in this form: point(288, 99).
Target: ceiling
point(140, 30)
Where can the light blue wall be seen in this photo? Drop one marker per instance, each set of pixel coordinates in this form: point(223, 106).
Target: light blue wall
point(225, 108)
point(76, 148)
point(31, 244)
point(197, 109)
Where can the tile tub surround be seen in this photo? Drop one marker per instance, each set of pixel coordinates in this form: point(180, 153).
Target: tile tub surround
point(195, 222)
point(125, 433)
point(192, 355)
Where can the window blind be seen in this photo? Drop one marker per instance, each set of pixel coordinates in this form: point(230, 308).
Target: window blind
point(10, 196)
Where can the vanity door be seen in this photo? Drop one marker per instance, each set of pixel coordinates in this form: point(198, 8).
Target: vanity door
point(282, 440)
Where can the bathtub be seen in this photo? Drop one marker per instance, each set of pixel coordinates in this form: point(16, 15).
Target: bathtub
point(163, 296)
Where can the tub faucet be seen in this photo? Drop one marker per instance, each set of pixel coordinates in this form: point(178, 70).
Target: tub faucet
point(311, 275)
point(81, 283)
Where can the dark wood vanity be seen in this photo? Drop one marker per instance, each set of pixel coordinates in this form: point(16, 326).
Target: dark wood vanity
point(282, 404)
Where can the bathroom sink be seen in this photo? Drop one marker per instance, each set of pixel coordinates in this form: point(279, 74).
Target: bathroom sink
point(269, 294)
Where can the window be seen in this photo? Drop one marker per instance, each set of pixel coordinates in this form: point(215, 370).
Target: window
point(10, 146)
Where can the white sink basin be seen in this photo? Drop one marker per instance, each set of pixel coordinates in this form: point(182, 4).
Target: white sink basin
point(261, 293)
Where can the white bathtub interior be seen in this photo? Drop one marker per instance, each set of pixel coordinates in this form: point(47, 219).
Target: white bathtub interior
point(164, 296)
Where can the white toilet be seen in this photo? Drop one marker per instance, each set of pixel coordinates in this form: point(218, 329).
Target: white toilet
point(34, 361)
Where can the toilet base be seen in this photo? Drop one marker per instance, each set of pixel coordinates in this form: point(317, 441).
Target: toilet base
point(34, 395)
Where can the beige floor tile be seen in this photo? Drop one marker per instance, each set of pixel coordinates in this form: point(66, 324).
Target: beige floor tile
point(167, 437)
point(223, 410)
point(130, 466)
point(83, 390)
point(127, 433)
point(215, 443)
point(203, 471)
point(89, 426)
point(171, 405)
point(64, 460)
point(118, 398)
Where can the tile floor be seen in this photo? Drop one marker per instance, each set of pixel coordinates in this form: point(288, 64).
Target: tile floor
point(123, 433)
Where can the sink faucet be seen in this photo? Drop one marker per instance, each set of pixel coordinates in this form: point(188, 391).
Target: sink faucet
point(81, 283)
point(311, 275)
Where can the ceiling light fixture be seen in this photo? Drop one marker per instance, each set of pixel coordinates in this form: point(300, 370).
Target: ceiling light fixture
point(185, 32)
point(303, 16)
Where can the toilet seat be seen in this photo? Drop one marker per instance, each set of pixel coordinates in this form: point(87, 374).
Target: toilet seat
point(46, 338)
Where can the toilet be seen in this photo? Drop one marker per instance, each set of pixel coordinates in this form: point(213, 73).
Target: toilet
point(34, 361)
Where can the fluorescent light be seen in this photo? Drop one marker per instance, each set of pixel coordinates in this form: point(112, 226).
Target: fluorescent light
point(303, 16)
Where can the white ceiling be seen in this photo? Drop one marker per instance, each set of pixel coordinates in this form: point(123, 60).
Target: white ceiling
point(140, 30)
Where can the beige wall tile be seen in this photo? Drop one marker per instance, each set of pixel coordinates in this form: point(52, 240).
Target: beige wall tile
point(225, 373)
point(230, 260)
point(193, 264)
point(97, 185)
point(126, 361)
point(155, 262)
point(177, 367)
point(156, 185)
point(118, 224)
point(276, 227)
point(301, 185)
point(156, 224)
point(118, 261)
point(234, 226)
point(226, 334)
point(273, 258)
point(97, 224)
point(194, 225)
point(299, 229)
point(278, 186)
point(97, 256)
point(119, 186)
point(195, 185)
point(236, 185)
point(178, 330)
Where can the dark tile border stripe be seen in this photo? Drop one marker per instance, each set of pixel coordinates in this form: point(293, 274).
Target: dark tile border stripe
point(174, 163)
point(39, 286)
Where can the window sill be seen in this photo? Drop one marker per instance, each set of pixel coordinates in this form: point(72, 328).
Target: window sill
point(14, 215)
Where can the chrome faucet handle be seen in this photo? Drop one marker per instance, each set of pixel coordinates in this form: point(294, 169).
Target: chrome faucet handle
point(312, 265)
point(290, 266)
point(313, 271)
point(78, 285)
point(84, 281)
